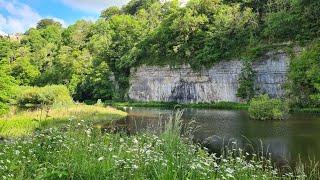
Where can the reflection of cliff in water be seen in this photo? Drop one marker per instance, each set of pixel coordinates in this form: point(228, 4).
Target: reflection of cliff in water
point(285, 140)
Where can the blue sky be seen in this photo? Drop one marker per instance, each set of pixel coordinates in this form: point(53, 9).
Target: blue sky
point(17, 16)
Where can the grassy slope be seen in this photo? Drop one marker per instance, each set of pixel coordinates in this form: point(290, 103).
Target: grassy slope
point(26, 122)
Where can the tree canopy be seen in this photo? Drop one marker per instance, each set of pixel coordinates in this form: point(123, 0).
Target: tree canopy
point(93, 59)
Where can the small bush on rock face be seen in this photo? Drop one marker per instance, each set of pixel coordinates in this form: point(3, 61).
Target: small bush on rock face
point(265, 108)
point(48, 95)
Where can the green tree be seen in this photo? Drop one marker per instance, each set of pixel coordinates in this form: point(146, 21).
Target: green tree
point(115, 40)
point(68, 67)
point(77, 35)
point(109, 12)
point(7, 86)
point(44, 23)
point(281, 23)
point(7, 47)
point(246, 82)
point(201, 33)
point(135, 5)
point(38, 38)
point(304, 78)
point(21, 67)
point(99, 83)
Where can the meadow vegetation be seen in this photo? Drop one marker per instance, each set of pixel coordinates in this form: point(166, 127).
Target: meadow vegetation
point(25, 122)
point(35, 108)
point(79, 151)
point(45, 135)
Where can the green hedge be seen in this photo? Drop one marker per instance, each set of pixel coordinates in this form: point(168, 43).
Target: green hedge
point(48, 95)
point(265, 108)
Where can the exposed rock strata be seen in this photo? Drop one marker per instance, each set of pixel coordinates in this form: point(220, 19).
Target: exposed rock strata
point(219, 83)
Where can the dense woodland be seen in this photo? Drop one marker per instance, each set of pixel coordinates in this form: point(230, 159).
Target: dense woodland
point(93, 59)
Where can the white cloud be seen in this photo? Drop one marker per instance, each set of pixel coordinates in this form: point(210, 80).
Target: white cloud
point(93, 6)
point(19, 17)
point(2, 33)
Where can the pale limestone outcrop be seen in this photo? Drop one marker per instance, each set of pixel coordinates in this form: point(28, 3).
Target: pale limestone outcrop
point(218, 83)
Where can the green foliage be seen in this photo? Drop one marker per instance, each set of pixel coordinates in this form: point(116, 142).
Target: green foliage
point(44, 23)
point(7, 47)
point(98, 84)
point(93, 59)
point(109, 12)
point(292, 20)
point(304, 76)
point(200, 34)
point(246, 82)
point(20, 123)
point(135, 5)
point(264, 108)
point(22, 68)
point(281, 23)
point(36, 39)
point(115, 42)
point(48, 95)
point(77, 35)
point(82, 152)
point(7, 88)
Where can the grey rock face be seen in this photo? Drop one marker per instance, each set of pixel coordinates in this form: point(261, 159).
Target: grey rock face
point(219, 83)
point(271, 74)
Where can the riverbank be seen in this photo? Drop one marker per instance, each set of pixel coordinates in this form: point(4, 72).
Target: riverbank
point(82, 152)
point(79, 150)
point(306, 110)
point(25, 122)
point(217, 105)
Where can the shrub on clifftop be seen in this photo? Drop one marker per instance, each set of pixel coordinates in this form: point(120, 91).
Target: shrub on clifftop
point(265, 108)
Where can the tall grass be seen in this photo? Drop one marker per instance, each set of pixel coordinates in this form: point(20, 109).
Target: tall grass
point(80, 151)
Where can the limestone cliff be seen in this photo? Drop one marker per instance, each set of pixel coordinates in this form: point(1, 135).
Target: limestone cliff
point(218, 83)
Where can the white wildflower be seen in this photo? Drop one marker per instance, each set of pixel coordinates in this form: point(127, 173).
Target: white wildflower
point(135, 141)
point(101, 158)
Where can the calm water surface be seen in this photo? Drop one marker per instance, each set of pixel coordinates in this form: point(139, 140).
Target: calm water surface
point(285, 140)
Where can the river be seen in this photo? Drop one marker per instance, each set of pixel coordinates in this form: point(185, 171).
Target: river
point(287, 140)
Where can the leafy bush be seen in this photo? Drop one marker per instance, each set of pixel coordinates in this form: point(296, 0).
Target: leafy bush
point(304, 78)
point(281, 23)
point(265, 108)
point(246, 81)
point(48, 95)
point(7, 84)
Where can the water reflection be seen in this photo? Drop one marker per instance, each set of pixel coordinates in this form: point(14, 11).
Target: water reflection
point(286, 140)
